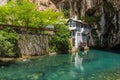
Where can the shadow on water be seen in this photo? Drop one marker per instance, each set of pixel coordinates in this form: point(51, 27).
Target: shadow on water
point(112, 50)
point(6, 64)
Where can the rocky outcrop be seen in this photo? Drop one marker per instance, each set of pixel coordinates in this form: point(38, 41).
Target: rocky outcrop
point(45, 4)
point(103, 17)
point(106, 33)
point(30, 44)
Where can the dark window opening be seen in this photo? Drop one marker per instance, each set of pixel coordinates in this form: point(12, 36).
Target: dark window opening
point(84, 35)
point(73, 42)
point(73, 33)
point(74, 24)
point(81, 25)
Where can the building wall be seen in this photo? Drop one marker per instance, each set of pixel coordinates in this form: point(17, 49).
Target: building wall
point(79, 28)
point(80, 38)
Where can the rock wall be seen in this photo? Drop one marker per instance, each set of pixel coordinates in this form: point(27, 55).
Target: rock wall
point(45, 4)
point(105, 32)
point(32, 44)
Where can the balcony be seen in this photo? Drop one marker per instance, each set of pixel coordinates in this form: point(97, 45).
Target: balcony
point(72, 28)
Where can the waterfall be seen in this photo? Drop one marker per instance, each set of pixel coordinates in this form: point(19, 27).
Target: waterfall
point(78, 62)
point(102, 25)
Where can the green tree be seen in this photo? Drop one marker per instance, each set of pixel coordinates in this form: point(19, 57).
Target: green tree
point(24, 13)
point(60, 42)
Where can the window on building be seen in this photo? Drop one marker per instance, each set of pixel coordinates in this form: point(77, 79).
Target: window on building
point(78, 26)
point(74, 24)
point(83, 35)
point(81, 25)
point(70, 24)
point(73, 33)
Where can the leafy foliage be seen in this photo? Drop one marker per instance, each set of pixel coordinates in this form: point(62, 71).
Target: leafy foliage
point(60, 42)
point(24, 13)
point(66, 12)
point(107, 5)
point(8, 40)
point(92, 19)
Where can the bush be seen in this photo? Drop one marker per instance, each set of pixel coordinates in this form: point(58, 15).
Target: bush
point(8, 41)
point(60, 42)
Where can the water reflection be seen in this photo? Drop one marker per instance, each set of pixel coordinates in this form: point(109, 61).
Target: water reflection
point(78, 59)
point(87, 65)
point(78, 62)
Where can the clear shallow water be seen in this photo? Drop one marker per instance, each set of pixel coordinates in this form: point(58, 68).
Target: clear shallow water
point(91, 65)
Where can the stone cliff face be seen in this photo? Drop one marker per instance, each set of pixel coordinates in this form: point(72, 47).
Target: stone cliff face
point(45, 4)
point(103, 16)
point(33, 44)
point(105, 32)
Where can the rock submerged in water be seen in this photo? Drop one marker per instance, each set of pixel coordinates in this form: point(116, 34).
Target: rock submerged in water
point(36, 76)
point(26, 60)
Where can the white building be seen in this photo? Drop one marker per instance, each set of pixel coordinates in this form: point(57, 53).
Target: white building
point(79, 32)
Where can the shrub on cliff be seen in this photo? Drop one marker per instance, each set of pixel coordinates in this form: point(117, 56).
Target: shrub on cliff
point(8, 40)
point(60, 41)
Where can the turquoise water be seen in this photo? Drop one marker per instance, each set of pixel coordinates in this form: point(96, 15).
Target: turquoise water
point(91, 65)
